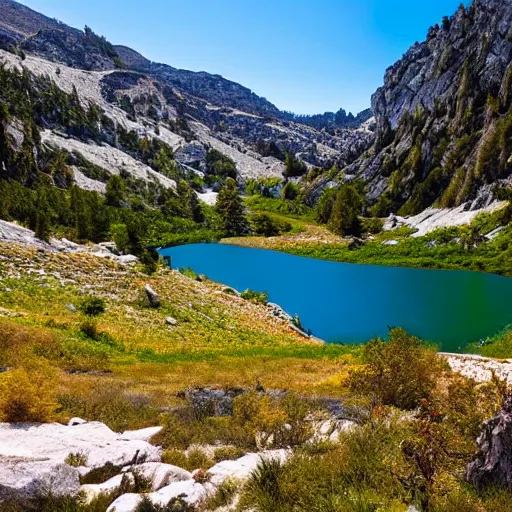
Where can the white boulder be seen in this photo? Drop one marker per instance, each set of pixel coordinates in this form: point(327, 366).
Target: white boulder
point(92, 491)
point(54, 442)
point(125, 503)
point(189, 491)
point(161, 474)
point(19, 480)
point(144, 434)
point(241, 469)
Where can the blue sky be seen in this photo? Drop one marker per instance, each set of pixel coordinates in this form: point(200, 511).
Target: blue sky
point(307, 56)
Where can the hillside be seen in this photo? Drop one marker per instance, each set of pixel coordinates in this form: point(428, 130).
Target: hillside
point(246, 127)
point(444, 116)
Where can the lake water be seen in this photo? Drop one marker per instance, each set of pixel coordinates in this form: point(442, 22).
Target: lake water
point(352, 303)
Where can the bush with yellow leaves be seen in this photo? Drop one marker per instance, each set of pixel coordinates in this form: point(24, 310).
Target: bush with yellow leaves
point(27, 394)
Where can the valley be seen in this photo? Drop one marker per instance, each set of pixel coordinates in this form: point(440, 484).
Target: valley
point(168, 239)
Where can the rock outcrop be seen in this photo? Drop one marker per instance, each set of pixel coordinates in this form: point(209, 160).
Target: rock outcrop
point(493, 465)
point(33, 458)
point(443, 116)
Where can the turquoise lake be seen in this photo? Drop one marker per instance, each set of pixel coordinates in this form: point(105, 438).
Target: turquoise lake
point(348, 303)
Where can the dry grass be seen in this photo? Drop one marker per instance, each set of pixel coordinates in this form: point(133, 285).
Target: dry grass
point(220, 340)
point(310, 235)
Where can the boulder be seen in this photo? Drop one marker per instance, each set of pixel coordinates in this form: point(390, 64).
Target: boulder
point(21, 480)
point(53, 442)
point(92, 491)
point(171, 321)
point(153, 298)
point(125, 503)
point(144, 434)
point(213, 402)
point(161, 474)
point(189, 491)
point(71, 307)
point(492, 467)
point(241, 469)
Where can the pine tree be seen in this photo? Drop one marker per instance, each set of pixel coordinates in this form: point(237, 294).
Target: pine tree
point(346, 209)
point(231, 210)
point(42, 230)
point(80, 213)
point(293, 166)
point(325, 205)
point(116, 189)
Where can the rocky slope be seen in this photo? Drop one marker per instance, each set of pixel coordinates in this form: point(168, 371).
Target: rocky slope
point(202, 108)
point(444, 116)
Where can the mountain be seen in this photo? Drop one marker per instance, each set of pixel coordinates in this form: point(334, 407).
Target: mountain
point(444, 117)
point(219, 113)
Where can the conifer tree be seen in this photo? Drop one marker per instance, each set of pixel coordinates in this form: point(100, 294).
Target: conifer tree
point(346, 209)
point(80, 213)
point(116, 189)
point(324, 207)
point(231, 210)
point(42, 228)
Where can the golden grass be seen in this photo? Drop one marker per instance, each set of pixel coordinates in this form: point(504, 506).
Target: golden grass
point(220, 340)
point(310, 235)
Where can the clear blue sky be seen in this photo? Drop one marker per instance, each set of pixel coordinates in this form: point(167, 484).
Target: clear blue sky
point(307, 56)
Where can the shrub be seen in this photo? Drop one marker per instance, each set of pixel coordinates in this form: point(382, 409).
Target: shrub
point(92, 306)
point(149, 260)
point(175, 457)
point(198, 459)
point(264, 488)
point(101, 474)
point(290, 191)
point(253, 296)
point(228, 453)
point(109, 404)
point(28, 395)
point(76, 459)
point(272, 422)
point(195, 459)
point(398, 372)
point(175, 505)
point(89, 328)
point(189, 272)
point(372, 225)
point(264, 224)
point(223, 496)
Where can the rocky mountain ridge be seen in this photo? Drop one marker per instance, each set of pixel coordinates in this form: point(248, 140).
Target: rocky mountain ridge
point(444, 116)
point(218, 113)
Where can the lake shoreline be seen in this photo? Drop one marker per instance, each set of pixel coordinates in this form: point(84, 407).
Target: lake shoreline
point(354, 303)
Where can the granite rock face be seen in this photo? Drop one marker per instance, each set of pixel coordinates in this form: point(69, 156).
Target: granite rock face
point(443, 116)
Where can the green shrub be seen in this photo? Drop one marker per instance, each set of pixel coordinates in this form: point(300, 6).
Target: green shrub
point(175, 505)
point(373, 226)
point(111, 405)
point(194, 459)
point(92, 306)
point(228, 453)
point(76, 459)
point(398, 372)
point(264, 224)
point(223, 496)
point(264, 489)
point(101, 474)
point(89, 328)
point(189, 272)
point(175, 457)
point(290, 191)
point(253, 296)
